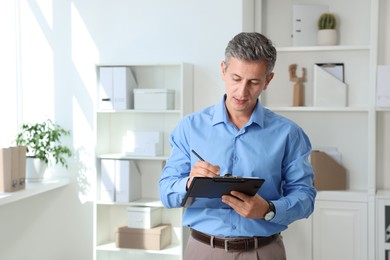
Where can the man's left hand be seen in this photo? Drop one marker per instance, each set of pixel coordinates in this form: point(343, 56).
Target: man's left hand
point(249, 207)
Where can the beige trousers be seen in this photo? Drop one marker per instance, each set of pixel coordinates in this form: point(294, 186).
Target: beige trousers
point(199, 251)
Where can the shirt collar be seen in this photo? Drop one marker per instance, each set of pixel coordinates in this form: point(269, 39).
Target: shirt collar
point(221, 116)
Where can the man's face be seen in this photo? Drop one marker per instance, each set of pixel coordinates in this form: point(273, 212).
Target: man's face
point(244, 82)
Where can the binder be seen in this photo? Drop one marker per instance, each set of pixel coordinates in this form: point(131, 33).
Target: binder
point(120, 181)
point(116, 85)
point(305, 17)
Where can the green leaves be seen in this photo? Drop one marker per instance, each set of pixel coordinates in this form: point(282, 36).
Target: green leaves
point(43, 141)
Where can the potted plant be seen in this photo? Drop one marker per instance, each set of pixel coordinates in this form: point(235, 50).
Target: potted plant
point(43, 143)
point(327, 34)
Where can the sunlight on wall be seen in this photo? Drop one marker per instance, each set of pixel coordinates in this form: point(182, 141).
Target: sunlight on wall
point(84, 57)
point(84, 53)
point(8, 97)
point(46, 11)
point(84, 139)
point(37, 62)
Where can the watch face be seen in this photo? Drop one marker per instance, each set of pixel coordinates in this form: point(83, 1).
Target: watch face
point(270, 215)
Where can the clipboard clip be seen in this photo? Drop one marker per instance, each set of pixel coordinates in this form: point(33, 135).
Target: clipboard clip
point(228, 178)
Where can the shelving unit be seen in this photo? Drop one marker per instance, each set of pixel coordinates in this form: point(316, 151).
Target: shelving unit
point(357, 50)
point(111, 126)
point(353, 129)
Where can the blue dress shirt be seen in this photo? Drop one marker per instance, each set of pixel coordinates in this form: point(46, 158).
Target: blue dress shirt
point(269, 146)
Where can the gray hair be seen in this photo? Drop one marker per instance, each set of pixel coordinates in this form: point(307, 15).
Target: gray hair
point(251, 46)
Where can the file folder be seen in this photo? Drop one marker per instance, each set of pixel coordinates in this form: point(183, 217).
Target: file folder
point(329, 87)
point(328, 173)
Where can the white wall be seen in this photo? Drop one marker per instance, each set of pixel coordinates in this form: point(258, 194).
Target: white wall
point(60, 44)
point(165, 31)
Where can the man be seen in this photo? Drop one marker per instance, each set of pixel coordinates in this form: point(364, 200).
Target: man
point(241, 137)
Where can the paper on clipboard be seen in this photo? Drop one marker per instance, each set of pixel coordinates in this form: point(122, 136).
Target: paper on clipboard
point(329, 86)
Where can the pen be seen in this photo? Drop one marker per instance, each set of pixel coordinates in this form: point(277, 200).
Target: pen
point(197, 155)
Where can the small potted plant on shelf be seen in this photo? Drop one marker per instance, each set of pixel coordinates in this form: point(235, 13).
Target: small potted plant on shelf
point(43, 143)
point(327, 34)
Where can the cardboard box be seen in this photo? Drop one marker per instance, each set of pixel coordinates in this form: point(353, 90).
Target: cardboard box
point(328, 173)
point(143, 217)
point(154, 99)
point(12, 168)
point(156, 238)
point(19, 166)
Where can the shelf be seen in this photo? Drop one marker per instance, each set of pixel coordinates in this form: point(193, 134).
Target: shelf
point(170, 250)
point(383, 194)
point(383, 109)
point(324, 48)
point(119, 156)
point(317, 109)
point(343, 196)
point(386, 246)
point(133, 111)
point(32, 189)
point(144, 202)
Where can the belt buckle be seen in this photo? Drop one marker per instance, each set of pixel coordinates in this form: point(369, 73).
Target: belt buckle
point(226, 245)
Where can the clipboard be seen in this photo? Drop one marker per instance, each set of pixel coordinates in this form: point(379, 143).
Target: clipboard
point(212, 189)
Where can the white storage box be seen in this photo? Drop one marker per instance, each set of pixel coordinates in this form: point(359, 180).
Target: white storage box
point(154, 99)
point(139, 143)
point(143, 217)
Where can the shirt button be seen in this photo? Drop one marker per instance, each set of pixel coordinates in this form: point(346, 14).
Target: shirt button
point(234, 227)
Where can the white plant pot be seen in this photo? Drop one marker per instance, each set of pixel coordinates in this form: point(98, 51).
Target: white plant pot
point(35, 169)
point(327, 37)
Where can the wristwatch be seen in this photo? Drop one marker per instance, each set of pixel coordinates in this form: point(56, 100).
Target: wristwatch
point(271, 211)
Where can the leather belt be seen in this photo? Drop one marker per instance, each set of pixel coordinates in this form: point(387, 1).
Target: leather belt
point(233, 244)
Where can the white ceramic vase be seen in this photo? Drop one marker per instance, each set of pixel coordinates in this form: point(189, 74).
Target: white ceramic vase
point(327, 37)
point(35, 169)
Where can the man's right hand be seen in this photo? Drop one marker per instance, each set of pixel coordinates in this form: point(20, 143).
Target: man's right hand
point(203, 169)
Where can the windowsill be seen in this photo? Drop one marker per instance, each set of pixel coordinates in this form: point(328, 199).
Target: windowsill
point(32, 189)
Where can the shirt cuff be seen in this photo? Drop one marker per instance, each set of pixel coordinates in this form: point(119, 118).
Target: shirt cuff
point(280, 211)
